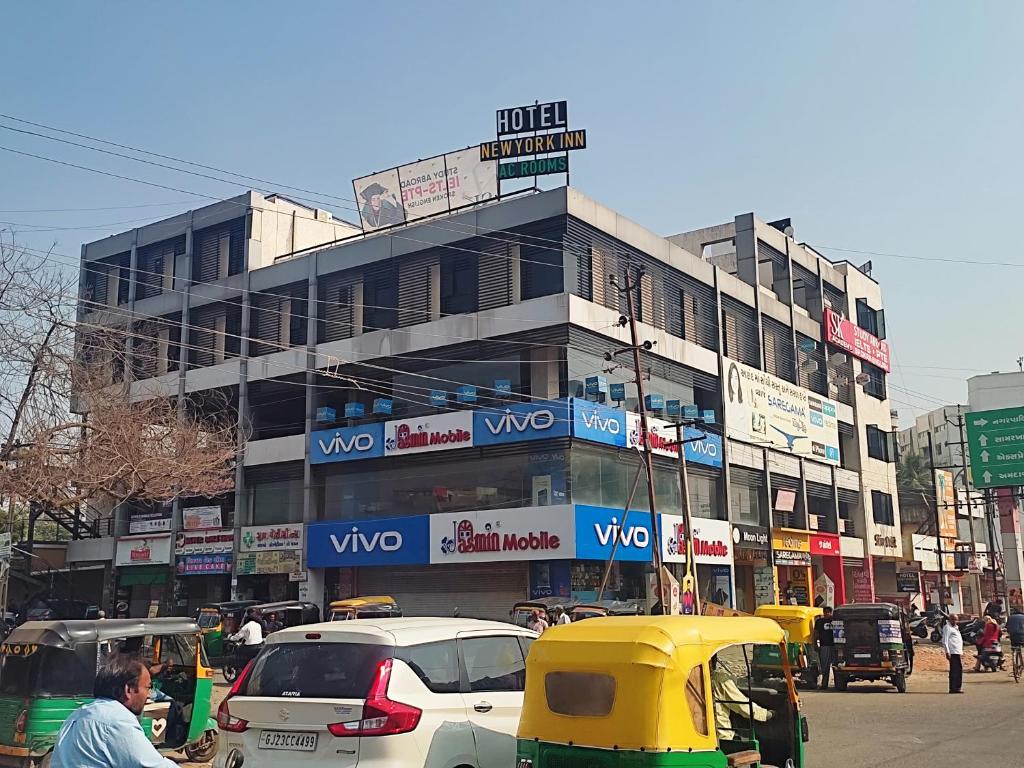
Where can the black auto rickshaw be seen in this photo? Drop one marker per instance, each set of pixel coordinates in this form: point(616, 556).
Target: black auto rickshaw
point(48, 669)
point(523, 610)
point(218, 620)
point(606, 608)
point(869, 644)
point(291, 613)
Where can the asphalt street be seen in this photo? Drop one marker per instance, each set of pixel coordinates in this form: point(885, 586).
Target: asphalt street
point(872, 725)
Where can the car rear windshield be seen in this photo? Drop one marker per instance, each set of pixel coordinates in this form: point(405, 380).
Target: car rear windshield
point(316, 670)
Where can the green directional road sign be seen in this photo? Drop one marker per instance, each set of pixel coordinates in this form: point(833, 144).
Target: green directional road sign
point(995, 442)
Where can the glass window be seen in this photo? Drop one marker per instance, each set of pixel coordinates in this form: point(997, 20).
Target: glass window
point(494, 663)
point(697, 699)
point(459, 281)
point(875, 385)
point(580, 694)
point(879, 443)
point(316, 670)
point(540, 271)
point(604, 478)
point(704, 497)
point(279, 502)
point(881, 508)
point(436, 664)
point(748, 504)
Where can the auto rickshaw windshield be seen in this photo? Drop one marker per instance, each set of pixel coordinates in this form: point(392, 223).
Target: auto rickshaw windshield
point(49, 671)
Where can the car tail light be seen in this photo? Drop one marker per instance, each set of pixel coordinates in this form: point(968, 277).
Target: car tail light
point(225, 720)
point(381, 715)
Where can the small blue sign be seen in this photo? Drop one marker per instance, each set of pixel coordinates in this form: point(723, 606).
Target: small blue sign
point(503, 388)
point(708, 417)
point(598, 423)
point(326, 415)
point(466, 394)
point(654, 402)
point(707, 450)
point(519, 422)
point(596, 385)
point(673, 408)
point(598, 527)
point(617, 392)
point(807, 345)
point(382, 406)
point(690, 412)
point(347, 443)
point(354, 410)
point(392, 541)
point(438, 398)
point(550, 578)
point(832, 453)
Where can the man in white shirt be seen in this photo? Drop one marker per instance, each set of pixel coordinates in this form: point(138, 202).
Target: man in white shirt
point(953, 645)
point(561, 617)
point(251, 637)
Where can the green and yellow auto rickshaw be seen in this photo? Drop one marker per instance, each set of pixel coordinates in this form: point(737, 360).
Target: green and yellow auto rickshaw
point(660, 691)
point(369, 607)
point(218, 620)
point(48, 668)
point(798, 623)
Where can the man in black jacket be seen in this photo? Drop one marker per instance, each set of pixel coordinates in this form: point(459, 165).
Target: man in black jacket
point(825, 642)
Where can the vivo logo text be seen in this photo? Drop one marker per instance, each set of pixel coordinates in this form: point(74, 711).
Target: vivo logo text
point(511, 423)
point(594, 420)
point(358, 442)
point(356, 541)
point(628, 537)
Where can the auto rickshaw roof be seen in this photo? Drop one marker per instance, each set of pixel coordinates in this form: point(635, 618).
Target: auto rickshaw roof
point(547, 602)
point(361, 602)
point(788, 611)
point(666, 633)
point(867, 611)
point(65, 634)
point(228, 606)
point(283, 605)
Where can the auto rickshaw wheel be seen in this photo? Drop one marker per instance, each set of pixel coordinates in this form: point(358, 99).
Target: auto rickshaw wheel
point(203, 750)
point(900, 681)
point(840, 682)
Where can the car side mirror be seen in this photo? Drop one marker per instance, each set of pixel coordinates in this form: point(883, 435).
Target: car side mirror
point(805, 733)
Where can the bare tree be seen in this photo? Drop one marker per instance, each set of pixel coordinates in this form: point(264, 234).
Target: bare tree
point(116, 445)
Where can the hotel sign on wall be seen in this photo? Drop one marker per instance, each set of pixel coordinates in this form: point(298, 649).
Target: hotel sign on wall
point(850, 337)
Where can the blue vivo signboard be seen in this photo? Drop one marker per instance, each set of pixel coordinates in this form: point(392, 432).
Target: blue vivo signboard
point(521, 422)
point(391, 541)
point(707, 451)
point(346, 444)
point(598, 527)
point(598, 423)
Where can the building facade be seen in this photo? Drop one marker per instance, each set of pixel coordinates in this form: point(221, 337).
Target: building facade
point(429, 413)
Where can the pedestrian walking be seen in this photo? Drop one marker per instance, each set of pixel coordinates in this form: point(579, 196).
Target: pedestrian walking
point(953, 645)
point(561, 617)
point(825, 642)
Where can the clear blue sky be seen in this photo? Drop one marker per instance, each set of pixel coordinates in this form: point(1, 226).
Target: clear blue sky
point(876, 126)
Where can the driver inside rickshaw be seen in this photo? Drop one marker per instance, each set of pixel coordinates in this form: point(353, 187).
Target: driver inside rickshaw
point(730, 700)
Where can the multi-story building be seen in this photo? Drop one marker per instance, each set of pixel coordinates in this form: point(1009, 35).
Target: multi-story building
point(428, 411)
point(944, 427)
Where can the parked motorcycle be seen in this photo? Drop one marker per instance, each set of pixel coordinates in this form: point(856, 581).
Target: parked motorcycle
point(919, 626)
point(971, 630)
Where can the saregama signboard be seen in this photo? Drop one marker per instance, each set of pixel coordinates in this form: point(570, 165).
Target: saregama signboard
point(764, 409)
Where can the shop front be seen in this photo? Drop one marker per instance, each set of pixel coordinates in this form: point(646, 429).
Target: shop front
point(268, 565)
point(857, 574)
point(754, 575)
point(792, 552)
point(203, 568)
point(712, 556)
point(477, 563)
point(143, 567)
point(827, 569)
point(605, 535)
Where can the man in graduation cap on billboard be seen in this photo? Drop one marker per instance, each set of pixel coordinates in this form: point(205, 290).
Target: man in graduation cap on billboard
point(380, 208)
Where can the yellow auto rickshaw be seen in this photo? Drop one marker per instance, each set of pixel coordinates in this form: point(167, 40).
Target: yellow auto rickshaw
point(798, 623)
point(370, 607)
point(659, 691)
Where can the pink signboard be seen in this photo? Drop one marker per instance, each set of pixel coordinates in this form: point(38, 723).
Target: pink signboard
point(850, 337)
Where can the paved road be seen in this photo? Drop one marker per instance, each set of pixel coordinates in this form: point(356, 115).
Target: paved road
point(873, 726)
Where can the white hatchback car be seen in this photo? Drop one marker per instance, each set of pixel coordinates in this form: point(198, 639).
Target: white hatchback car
point(380, 693)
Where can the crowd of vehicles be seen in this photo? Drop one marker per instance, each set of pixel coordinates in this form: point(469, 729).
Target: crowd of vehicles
point(456, 692)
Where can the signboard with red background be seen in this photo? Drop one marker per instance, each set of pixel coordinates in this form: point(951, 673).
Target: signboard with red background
point(850, 337)
point(824, 545)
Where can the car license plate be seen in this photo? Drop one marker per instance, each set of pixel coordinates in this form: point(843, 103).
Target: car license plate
point(293, 740)
point(862, 655)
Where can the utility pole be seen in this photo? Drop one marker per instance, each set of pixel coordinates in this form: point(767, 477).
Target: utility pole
point(967, 492)
point(635, 345)
point(689, 580)
point(939, 510)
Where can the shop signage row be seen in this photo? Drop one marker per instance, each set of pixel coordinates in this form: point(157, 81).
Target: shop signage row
point(264, 538)
point(143, 550)
point(203, 565)
point(560, 532)
point(764, 409)
point(259, 563)
point(205, 542)
point(515, 423)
